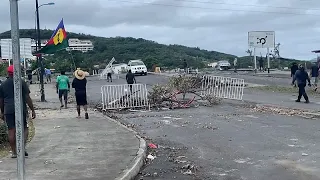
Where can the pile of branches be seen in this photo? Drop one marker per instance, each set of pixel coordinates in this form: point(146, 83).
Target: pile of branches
point(180, 92)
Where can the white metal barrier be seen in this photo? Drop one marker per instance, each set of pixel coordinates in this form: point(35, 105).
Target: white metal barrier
point(124, 96)
point(105, 76)
point(223, 87)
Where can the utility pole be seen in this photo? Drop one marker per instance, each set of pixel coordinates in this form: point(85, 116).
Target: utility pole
point(277, 53)
point(17, 89)
point(40, 62)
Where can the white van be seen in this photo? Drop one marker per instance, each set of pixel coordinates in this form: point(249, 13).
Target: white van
point(137, 67)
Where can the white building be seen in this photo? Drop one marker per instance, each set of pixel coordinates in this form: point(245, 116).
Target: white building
point(80, 45)
point(34, 44)
point(25, 48)
point(74, 45)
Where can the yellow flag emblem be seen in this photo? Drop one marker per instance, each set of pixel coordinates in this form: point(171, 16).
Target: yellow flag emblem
point(59, 37)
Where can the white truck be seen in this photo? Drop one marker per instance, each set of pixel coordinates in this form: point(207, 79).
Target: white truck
point(137, 67)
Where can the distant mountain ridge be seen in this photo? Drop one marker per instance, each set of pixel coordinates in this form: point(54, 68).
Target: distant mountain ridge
point(152, 53)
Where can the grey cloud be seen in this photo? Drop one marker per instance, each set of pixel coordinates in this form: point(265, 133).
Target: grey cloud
point(206, 26)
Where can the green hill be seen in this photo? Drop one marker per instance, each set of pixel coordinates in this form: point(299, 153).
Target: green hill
point(126, 48)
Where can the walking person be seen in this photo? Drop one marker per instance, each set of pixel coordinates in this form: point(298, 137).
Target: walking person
point(301, 76)
point(48, 75)
point(63, 87)
point(314, 73)
point(79, 83)
point(29, 74)
point(261, 64)
point(235, 64)
point(109, 75)
point(7, 106)
point(294, 69)
point(130, 79)
point(185, 66)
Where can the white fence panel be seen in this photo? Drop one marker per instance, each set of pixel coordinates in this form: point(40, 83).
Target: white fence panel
point(124, 96)
point(223, 87)
point(103, 76)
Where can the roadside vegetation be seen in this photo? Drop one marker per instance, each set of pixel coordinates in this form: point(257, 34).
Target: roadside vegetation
point(4, 145)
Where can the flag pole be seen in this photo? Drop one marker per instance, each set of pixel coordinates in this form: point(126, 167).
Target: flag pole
point(43, 99)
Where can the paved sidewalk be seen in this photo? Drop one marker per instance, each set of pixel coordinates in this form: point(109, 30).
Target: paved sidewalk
point(65, 147)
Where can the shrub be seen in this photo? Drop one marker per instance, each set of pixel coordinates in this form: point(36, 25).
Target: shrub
point(3, 133)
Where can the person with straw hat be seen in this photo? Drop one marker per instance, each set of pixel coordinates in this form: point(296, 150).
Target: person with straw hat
point(79, 83)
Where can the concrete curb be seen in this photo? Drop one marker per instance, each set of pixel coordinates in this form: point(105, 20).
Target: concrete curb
point(134, 167)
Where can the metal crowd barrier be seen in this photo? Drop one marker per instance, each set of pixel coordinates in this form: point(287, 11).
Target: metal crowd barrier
point(223, 87)
point(124, 96)
point(103, 76)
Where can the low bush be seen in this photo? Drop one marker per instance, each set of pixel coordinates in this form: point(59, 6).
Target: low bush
point(3, 133)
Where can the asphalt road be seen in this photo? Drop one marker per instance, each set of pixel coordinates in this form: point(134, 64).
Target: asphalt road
point(94, 84)
point(224, 142)
point(229, 143)
point(273, 79)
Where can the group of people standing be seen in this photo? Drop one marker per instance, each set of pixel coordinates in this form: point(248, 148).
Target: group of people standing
point(300, 78)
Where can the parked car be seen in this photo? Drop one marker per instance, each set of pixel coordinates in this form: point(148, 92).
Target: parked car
point(223, 65)
point(137, 67)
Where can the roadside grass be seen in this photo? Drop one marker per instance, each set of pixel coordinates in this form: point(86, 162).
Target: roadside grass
point(4, 145)
point(285, 89)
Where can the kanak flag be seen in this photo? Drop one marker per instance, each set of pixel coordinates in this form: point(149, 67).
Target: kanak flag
point(57, 42)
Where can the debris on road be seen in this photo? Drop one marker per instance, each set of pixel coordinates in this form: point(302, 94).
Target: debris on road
point(152, 146)
point(283, 111)
point(181, 92)
point(151, 157)
point(188, 172)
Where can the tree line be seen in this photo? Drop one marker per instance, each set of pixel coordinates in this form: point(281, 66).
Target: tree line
point(128, 48)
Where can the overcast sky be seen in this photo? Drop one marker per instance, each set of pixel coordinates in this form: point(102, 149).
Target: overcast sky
point(220, 25)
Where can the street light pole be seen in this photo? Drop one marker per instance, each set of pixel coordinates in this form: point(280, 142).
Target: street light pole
point(40, 62)
point(17, 89)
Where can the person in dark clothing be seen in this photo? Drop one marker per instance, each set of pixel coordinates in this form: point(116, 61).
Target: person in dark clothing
point(7, 106)
point(261, 64)
point(79, 83)
point(29, 73)
point(301, 76)
point(314, 73)
point(294, 69)
point(109, 75)
point(130, 79)
point(185, 66)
